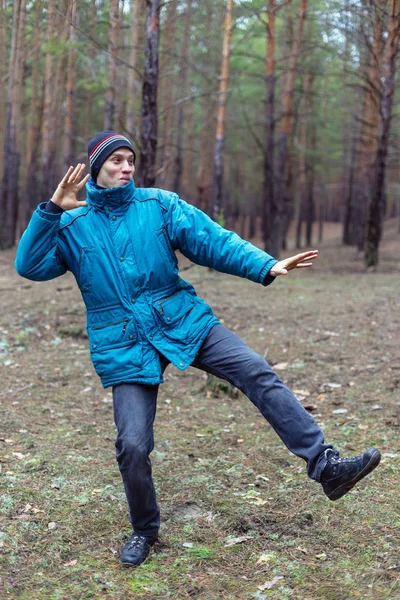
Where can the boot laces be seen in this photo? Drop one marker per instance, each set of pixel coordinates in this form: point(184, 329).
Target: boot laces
point(137, 540)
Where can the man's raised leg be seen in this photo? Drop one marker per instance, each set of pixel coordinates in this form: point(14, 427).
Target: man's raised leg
point(227, 356)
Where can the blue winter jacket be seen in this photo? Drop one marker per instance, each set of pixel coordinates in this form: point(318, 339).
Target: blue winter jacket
point(121, 250)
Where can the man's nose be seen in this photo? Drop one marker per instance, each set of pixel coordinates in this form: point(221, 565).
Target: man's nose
point(127, 167)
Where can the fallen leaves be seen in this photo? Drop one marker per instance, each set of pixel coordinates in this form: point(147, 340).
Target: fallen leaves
point(33, 509)
point(281, 366)
point(238, 540)
point(71, 563)
point(18, 455)
point(266, 558)
point(256, 501)
point(268, 585)
point(326, 386)
point(304, 393)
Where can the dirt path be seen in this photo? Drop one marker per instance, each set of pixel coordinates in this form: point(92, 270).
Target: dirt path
point(240, 518)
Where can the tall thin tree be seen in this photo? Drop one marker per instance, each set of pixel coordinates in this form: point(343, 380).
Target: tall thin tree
point(132, 123)
point(183, 89)
point(285, 130)
point(222, 102)
point(10, 194)
point(269, 200)
point(149, 95)
point(376, 207)
point(203, 172)
point(369, 124)
point(167, 90)
point(110, 97)
point(69, 124)
point(35, 116)
point(3, 75)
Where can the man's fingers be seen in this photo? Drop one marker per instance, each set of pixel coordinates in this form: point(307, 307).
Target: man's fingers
point(302, 265)
point(66, 176)
point(310, 254)
point(76, 173)
point(83, 182)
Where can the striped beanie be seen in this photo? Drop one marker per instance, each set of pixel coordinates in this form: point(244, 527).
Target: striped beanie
point(102, 145)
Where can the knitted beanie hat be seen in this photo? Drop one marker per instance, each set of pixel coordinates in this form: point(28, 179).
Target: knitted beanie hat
point(102, 145)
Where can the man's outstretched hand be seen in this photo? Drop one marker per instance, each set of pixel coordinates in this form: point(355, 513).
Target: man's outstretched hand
point(299, 261)
point(69, 186)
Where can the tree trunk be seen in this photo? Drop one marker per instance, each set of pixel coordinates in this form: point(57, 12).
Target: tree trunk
point(348, 222)
point(310, 172)
point(222, 101)
point(149, 97)
point(187, 178)
point(10, 194)
point(59, 92)
point(376, 207)
point(87, 124)
point(3, 76)
point(369, 129)
point(167, 85)
point(121, 76)
point(47, 123)
point(269, 202)
point(301, 194)
point(31, 180)
point(69, 125)
point(203, 173)
point(133, 85)
point(277, 220)
point(348, 141)
point(110, 98)
point(183, 88)
point(310, 208)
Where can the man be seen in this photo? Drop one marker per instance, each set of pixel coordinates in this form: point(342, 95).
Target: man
point(120, 244)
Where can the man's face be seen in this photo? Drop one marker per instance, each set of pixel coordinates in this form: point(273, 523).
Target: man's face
point(117, 169)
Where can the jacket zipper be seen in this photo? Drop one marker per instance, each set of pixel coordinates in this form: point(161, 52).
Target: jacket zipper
point(112, 323)
point(160, 304)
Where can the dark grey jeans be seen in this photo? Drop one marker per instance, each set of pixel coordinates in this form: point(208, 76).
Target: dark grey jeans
point(225, 355)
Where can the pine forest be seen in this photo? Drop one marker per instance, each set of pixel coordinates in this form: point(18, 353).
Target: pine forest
point(266, 115)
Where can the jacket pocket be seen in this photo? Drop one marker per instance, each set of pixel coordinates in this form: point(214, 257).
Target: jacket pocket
point(85, 269)
point(114, 347)
point(112, 334)
point(166, 245)
point(174, 307)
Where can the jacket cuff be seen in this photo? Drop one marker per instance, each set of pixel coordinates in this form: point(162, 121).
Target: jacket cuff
point(51, 207)
point(44, 214)
point(265, 278)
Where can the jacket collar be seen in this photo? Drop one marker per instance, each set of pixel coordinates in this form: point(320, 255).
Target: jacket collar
point(103, 199)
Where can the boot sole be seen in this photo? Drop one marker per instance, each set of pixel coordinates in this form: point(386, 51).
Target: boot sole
point(134, 565)
point(346, 487)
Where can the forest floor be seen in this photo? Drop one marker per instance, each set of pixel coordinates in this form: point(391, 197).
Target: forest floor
point(240, 519)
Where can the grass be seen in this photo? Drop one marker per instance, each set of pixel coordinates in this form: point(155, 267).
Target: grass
point(221, 473)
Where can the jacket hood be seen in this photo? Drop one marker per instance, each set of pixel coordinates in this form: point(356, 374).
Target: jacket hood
point(102, 198)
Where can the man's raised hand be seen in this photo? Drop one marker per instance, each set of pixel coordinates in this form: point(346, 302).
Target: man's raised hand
point(299, 261)
point(69, 186)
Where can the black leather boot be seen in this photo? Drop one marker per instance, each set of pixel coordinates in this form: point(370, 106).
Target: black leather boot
point(136, 550)
point(341, 474)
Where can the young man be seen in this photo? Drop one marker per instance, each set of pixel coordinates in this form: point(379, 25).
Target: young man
point(120, 244)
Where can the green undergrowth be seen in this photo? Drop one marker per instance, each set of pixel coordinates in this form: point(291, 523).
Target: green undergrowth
point(240, 519)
